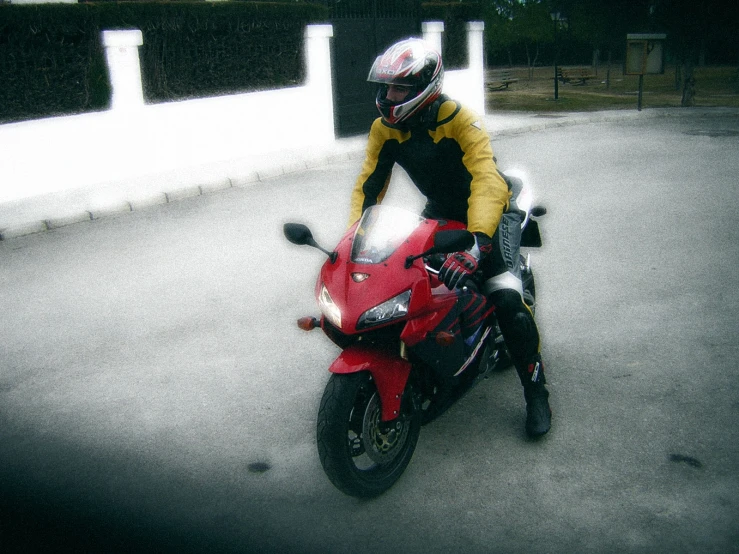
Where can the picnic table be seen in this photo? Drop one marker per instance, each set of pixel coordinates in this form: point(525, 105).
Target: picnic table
point(500, 79)
point(575, 75)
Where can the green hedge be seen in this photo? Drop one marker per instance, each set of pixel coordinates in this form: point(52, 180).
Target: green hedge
point(52, 60)
point(455, 16)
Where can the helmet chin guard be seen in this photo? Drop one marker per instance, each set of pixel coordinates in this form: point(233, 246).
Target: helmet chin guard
point(411, 63)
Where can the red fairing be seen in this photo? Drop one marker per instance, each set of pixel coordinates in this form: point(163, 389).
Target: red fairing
point(385, 280)
point(389, 371)
point(371, 273)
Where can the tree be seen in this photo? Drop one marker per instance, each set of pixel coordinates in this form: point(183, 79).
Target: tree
point(692, 28)
point(697, 32)
point(518, 24)
point(499, 35)
point(532, 25)
point(604, 24)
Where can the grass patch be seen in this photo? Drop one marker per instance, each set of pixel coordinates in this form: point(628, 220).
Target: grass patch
point(714, 87)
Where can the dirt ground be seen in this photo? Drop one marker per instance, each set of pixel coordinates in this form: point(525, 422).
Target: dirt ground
point(608, 88)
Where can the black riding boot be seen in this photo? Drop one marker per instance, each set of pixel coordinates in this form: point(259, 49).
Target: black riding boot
point(522, 338)
point(538, 413)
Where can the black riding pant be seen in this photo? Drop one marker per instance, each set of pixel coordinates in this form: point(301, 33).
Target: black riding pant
point(502, 272)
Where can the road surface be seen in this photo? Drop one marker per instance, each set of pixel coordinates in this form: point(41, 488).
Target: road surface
point(156, 395)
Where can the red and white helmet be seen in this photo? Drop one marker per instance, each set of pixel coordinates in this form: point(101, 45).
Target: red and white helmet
point(410, 62)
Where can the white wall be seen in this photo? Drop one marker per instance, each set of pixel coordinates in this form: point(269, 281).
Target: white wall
point(466, 85)
point(134, 139)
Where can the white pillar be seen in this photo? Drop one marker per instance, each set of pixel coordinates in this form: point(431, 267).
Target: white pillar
point(122, 55)
point(318, 76)
point(475, 46)
point(432, 32)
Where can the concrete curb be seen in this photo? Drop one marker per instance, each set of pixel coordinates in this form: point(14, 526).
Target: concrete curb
point(142, 198)
point(234, 174)
point(540, 122)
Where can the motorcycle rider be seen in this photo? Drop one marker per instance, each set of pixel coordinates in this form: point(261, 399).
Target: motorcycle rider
point(446, 152)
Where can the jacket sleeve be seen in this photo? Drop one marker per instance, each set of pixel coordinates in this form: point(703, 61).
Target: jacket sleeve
point(372, 183)
point(489, 194)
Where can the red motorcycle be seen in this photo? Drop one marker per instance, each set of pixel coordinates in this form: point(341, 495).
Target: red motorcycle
point(410, 346)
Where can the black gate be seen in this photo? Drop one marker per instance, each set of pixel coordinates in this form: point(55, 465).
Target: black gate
point(362, 30)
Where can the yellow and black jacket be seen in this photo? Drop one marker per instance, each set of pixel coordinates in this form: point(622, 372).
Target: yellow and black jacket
point(450, 160)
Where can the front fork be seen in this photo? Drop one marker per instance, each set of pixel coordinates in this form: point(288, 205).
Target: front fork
point(389, 372)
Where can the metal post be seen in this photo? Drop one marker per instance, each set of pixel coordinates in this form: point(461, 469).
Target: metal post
point(556, 78)
point(558, 20)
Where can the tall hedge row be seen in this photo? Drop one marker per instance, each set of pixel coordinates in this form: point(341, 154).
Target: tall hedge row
point(52, 59)
point(455, 16)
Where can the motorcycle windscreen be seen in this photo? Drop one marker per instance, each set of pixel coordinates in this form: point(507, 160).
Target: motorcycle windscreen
point(380, 232)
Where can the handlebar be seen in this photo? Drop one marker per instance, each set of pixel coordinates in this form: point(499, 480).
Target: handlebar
point(474, 283)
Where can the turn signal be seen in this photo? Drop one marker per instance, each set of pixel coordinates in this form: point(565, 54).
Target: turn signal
point(308, 323)
point(444, 339)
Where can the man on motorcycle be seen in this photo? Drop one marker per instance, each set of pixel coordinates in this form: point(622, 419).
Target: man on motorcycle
point(446, 151)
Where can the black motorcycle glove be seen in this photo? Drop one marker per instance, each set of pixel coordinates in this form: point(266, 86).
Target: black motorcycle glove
point(457, 269)
point(459, 266)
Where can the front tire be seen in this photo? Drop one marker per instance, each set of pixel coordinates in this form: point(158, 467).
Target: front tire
point(361, 455)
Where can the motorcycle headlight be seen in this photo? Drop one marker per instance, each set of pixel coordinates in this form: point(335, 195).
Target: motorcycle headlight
point(389, 310)
point(328, 308)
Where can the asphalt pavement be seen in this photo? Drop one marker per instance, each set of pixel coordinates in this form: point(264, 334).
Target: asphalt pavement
point(157, 396)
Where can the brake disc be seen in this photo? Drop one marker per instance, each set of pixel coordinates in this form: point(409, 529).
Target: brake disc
point(382, 441)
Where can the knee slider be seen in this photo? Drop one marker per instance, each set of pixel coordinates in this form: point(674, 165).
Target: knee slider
point(507, 303)
point(522, 323)
point(517, 324)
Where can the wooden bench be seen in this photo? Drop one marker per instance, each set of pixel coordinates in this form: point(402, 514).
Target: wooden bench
point(575, 75)
point(500, 79)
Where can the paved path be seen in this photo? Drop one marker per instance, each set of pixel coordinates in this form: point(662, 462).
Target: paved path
point(156, 395)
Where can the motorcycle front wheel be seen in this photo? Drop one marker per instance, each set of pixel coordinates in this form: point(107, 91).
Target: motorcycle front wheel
point(362, 455)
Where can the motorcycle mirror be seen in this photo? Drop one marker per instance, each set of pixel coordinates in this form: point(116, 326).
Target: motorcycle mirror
point(452, 241)
point(298, 233)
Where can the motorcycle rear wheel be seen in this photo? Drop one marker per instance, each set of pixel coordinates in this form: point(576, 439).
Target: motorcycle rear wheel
point(361, 456)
